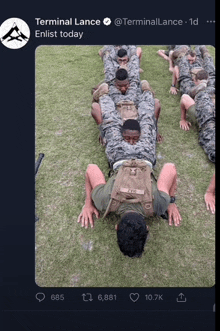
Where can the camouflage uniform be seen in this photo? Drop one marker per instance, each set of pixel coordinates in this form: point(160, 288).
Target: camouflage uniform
point(131, 49)
point(205, 115)
point(111, 66)
point(180, 49)
point(113, 50)
point(208, 65)
point(185, 79)
point(116, 147)
point(204, 110)
point(133, 93)
point(210, 68)
point(174, 47)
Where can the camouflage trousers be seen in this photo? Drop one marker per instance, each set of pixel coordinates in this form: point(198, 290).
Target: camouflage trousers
point(110, 68)
point(179, 48)
point(205, 115)
point(207, 139)
point(133, 93)
point(133, 67)
point(109, 50)
point(116, 147)
point(208, 65)
point(185, 79)
point(185, 76)
point(210, 68)
point(174, 47)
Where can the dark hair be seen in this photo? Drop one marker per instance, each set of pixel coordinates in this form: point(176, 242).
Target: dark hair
point(191, 53)
point(132, 234)
point(121, 74)
point(201, 74)
point(131, 124)
point(122, 52)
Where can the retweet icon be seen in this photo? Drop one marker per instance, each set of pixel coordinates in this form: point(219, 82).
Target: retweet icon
point(14, 33)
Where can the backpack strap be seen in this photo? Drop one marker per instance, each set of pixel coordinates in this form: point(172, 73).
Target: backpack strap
point(133, 184)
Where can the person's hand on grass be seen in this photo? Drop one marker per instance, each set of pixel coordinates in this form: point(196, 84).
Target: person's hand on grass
point(185, 125)
point(86, 216)
point(174, 215)
point(159, 138)
point(173, 90)
point(210, 202)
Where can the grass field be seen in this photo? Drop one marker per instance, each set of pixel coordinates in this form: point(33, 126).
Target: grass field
point(68, 255)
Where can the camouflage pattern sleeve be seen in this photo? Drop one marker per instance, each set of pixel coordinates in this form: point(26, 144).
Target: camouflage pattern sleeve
point(117, 149)
point(205, 114)
point(210, 68)
point(199, 58)
point(132, 93)
point(205, 109)
point(185, 78)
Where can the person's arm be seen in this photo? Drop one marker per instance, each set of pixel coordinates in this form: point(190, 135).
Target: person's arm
point(210, 196)
point(93, 178)
point(115, 94)
point(96, 113)
point(167, 182)
point(162, 54)
point(131, 93)
point(173, 89)
point(185, 103)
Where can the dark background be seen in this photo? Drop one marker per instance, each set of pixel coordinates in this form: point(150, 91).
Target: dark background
point(21, 311)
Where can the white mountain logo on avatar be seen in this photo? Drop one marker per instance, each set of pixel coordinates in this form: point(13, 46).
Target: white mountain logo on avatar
point(14, 33)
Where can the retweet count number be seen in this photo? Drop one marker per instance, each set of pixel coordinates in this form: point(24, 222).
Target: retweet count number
point(107, 297)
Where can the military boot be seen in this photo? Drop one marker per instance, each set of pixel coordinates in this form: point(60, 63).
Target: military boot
point(145, 86)
point(101, 90)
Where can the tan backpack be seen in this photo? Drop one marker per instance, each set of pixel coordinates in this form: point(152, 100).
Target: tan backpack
point(127, 110)
point(133, 184)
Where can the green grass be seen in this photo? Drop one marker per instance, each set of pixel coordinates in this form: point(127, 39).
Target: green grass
point(68, 255)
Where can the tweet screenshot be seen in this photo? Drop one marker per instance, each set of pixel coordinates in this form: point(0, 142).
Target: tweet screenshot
point(109, 170)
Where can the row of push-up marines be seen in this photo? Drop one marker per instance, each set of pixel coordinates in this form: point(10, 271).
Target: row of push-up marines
point(127, 114)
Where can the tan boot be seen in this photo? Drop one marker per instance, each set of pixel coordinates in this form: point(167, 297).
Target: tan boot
point(101, 90)
point(145, 86)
